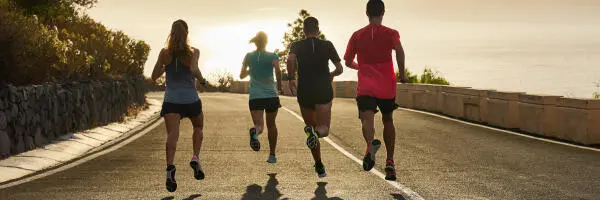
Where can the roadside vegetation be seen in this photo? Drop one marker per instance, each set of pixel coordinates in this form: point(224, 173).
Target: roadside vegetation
point(596, 94)
point(55, 41)
point(428, 77)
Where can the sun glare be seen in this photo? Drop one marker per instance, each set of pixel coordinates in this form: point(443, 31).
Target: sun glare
point(224, 47)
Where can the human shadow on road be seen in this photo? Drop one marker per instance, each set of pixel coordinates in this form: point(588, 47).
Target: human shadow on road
point(193, 196)
point(397, 196)
point(321, 193)
point(254, 191)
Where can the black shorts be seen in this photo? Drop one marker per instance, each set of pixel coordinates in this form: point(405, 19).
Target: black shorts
point(310, 102)
point(312, 93)
point(371, 103)
point(185, 110)
point(268, 104)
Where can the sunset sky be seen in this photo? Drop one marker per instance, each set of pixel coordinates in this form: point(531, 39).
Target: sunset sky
point(433, 32)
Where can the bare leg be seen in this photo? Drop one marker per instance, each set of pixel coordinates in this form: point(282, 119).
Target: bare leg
point(310, 119)
point(323, 119)
point(257, 119)
point(368, 125)
point(272, 131)
point(389, 135)
point(172, 123)
point(198, 123)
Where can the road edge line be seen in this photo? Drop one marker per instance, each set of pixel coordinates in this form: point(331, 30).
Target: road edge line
point(407, 191)
point(106, 148)
point(502, 130)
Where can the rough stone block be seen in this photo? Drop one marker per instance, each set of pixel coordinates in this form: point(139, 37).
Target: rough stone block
point(39, 138)
point(3, 121)
point(5, 144)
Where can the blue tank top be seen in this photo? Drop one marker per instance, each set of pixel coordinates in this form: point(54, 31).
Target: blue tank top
point(262, 82)
point(180, 88)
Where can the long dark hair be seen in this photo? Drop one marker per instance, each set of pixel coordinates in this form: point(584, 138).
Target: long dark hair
point(177, 43)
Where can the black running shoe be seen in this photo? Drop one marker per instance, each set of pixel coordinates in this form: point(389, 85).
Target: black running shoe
point(171, 183)
point(198, 172)
point(390, 171)
point(320, 169)
point(254, 143)
point(369, 159)
point(312, 140)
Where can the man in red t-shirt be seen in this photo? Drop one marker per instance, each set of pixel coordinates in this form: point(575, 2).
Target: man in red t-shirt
point(376, 81)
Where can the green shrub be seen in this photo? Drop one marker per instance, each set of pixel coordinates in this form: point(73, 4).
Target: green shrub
point(62, 45)
point(30, 52)
point(428, 77)
point(596, 94)
point(431, 77)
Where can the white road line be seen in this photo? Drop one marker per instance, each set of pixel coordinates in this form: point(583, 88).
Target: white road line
point(87, 158)
point(410, 194)
point(504, 131)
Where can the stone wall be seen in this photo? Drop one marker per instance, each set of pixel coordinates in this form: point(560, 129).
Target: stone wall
point(567, 119)
point(31, 116)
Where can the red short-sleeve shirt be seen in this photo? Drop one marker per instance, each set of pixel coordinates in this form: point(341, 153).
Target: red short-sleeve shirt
point(374, 45)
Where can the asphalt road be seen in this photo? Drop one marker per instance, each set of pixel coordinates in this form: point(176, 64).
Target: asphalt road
point(435, 157)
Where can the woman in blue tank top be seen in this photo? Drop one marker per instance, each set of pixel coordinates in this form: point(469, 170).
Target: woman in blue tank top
point(180, 63)
point(264, 91)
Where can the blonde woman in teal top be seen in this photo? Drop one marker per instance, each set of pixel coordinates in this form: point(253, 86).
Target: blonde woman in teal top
point(264, 92)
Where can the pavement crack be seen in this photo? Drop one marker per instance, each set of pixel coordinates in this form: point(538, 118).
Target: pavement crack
point(17, 167)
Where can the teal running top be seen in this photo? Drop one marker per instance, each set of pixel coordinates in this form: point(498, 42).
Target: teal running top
point(262, 82)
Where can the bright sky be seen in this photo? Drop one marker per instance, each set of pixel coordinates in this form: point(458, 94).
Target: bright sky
point(221, 29)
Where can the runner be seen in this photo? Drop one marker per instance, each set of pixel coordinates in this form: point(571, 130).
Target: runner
point(180, 62)
point(376, 81)
point(314, 91)
point(263, 92)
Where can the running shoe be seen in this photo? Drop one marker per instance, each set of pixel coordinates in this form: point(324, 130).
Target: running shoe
point(171, 183)
point(312, 140)
point(254, 143)
point(198, 172)
point(320, 169)
point(390, 170)
point(272, 159)
point(369, 159)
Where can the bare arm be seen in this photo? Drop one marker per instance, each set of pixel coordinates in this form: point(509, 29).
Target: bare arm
point(338, 69)
point(244, 72)
point(159, 67)
point(291, 66)
point(400, 59)
point(195, 68)
point(277, 74)
point(351, 64)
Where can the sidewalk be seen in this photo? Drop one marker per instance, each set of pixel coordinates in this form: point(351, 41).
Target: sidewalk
point(73, 146)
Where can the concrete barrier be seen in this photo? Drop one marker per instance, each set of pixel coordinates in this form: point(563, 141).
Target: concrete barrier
point(425, 97)
point(483, 106)
point(503, 109)
point(345, 89)
point(455, 99)
point(536, 114)
point(578, 120)
point(404, 95)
